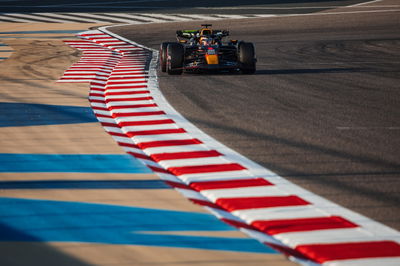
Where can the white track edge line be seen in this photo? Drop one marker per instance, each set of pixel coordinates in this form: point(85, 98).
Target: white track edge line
point(391, 234)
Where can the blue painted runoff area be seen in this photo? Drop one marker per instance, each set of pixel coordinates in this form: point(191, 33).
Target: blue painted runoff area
point(84, 184)
point(45, 221)
point(72, 163)
point(30, 114)
point(40, 31)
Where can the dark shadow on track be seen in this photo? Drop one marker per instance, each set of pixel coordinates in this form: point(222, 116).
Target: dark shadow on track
point(309, 71)
point(31, 251)
point(30, 114)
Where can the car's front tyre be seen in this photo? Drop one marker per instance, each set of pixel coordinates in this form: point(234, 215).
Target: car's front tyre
point(175, 57)
point(246, 57)
point(163, 56)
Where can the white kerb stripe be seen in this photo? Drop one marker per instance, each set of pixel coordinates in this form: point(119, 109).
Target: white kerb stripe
point(261, 191)
point(122, 103)
point(135, 110)
point(180, 148)
point(389, 261)
point(176, 136)
point(215, 176)
point(141, 118)
point(149, 127)
point(194, 162)
point(330, 236)
point(280, 213)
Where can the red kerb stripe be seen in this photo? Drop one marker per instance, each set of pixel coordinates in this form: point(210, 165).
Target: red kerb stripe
point(118, 134)
point(233, 204)
point(130, 145)
point(166, 143)
point(125, 82)
point(212, 168)
point(127, 87)
point(125, 93)
point(111, 80)
point(97, 101)
point(126, 76)
point(133, 106)
point(130, 99)
point(139, 155)
point(90, 34)
point(99, 108)
point(139, 114)
point(185, 155)
point(146, 123)
point(305, 224)
point(158, 169)
point(236, 183)
point(109, 125)
point(96, 95)
point(343, 251)
point(155, 132)
point(97, 89)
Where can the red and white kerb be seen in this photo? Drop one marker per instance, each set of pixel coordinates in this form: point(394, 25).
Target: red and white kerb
point(125, 97)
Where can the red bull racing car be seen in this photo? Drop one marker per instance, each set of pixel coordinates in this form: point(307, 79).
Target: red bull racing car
point(200, 50)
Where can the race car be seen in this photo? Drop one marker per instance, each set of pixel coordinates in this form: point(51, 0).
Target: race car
point(204, 49)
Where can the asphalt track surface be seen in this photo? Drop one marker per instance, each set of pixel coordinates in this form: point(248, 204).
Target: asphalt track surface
point(70, 195)
point(171, 6)
point(322, 109)
point(285, 86)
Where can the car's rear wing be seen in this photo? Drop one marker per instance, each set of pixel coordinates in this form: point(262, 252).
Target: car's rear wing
point(188, 34)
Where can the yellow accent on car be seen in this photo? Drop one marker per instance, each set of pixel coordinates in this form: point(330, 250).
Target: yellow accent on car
point(206, 32)
point(212, 59)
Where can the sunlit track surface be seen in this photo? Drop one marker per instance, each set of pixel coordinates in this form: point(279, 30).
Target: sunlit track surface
point(70, 195)
point(174, 6)
point(263, 205)
point(113, 18)
point(150, 225)
point(321, 110)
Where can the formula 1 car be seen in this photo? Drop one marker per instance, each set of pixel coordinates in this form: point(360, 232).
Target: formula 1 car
point(197, 50)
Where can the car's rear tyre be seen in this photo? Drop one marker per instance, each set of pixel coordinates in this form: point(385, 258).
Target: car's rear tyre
point(175, 57)
point(246, 56)
point(163, 56)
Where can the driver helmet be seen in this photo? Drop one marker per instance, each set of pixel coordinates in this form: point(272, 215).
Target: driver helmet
point(205, 41)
